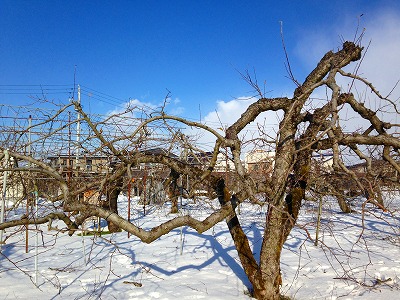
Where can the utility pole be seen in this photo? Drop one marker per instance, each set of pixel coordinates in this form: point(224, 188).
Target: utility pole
point(27, 200)
point(78, 130)
point(77, 153)
point(4, 192)
point(70, 161)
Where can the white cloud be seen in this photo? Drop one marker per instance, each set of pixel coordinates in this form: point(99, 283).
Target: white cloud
point(379, 66)
point(135, 108)
point(139, 108)
point(223, 116)
point(228, 112)
point(381, 62)
point(173, 107)
point(124, 119)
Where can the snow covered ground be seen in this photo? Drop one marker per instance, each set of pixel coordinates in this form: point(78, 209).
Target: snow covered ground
point(358, 257)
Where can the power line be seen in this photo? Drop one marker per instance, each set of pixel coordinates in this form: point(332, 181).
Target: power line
point(102, 95)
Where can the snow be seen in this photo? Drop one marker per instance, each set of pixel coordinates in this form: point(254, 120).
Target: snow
point(357, 257)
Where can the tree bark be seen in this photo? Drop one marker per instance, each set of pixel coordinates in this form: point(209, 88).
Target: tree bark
point(344, 206)
point(111, 204)
point(240, 239)
point(268, 286)
point(173, 190)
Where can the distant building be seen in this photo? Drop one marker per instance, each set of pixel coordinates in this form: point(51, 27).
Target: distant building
point(85, 163)
point(259, 161)
point(262, 162)
point(379, 166)
point(14, 189)
point(323, 161)
point(223, 164)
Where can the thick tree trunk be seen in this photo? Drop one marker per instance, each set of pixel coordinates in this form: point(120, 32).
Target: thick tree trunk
point(270, 279)
point(112, 202)
point(174, 204)
point(240, 240)
point(266, 277)
point(279, 222)
point(173, 190)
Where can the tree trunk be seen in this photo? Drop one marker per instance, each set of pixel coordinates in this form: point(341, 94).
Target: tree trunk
point(269, 271)
point(112, 201)
point(266, 277)
point(174, 204)
point(173, 190)
point(378, 196)
point(280, 220)
point(344, 206)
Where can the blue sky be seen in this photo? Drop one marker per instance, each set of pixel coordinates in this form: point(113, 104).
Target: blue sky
point(141, 49)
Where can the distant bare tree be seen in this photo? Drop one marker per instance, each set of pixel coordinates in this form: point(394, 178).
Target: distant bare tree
point(307, 126)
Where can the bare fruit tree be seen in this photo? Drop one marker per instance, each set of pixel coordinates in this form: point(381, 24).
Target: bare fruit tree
point(132, 146)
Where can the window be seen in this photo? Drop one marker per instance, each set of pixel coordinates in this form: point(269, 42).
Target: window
point(89, 165)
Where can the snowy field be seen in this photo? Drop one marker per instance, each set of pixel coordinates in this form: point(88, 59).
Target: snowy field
point(358, 257)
